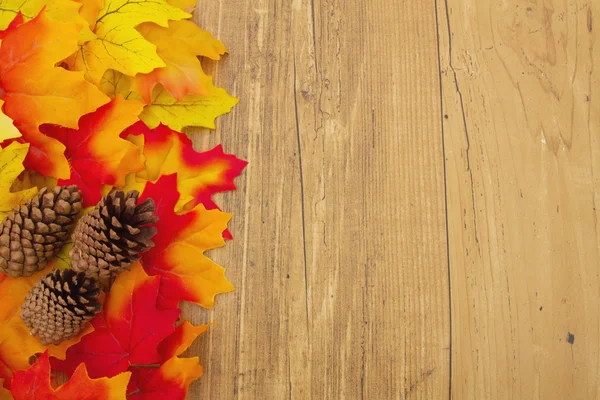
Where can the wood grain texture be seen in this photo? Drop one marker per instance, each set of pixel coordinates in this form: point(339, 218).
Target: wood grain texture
point(418, 219)
point(520, 92)
point(340, 254)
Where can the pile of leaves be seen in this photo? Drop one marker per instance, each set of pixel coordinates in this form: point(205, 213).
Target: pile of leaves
point(96, 93)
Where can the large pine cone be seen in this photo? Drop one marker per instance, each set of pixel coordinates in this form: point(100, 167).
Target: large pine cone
point(59, 305)
point(112, 236)
point(32, 235)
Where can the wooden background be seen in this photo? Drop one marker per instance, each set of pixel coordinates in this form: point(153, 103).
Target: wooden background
point(418, 219)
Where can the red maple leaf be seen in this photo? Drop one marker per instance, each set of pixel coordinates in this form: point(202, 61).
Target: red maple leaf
point(178, 255)
point(169, 381)
point(172, 378)
point(127, 332)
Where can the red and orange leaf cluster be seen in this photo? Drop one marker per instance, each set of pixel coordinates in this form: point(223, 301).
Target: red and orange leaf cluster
point(95, 93)
point(35, 91)
point(97, 146)
point(133, 333)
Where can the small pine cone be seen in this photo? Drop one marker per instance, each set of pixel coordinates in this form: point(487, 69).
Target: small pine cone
point(59, 305)
point(112, 236)
point(32, 234)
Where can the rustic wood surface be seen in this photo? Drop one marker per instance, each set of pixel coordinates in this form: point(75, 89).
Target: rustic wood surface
point(418, 218)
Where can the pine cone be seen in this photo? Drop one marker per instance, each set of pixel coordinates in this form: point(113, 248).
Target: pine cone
point(59, 305)
point(112, 236)
point(32, 234)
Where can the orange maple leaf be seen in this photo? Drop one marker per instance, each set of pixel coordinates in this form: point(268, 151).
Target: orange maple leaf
point(35, 91)
point(178, 256)
point(35, 383)
point(179, 46)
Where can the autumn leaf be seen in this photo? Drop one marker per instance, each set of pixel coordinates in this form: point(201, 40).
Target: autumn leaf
point(16, 344)
point(96, 153)
point(192, 110)
point(128, 330)
point(179, 46)
point(178, 256)
point(28, 53)
point(118, 45)
point(35, 383)
point(11, 165)
point(200, 175)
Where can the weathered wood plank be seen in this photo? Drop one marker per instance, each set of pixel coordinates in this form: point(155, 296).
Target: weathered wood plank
point(521, 135)
point(340, 250)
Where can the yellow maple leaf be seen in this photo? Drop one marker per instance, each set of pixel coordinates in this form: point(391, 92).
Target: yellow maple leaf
point(59, 10)
point(7, 128)
point(118, 45)
point(11, 165)
point(192, 110)
point(179, 45)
